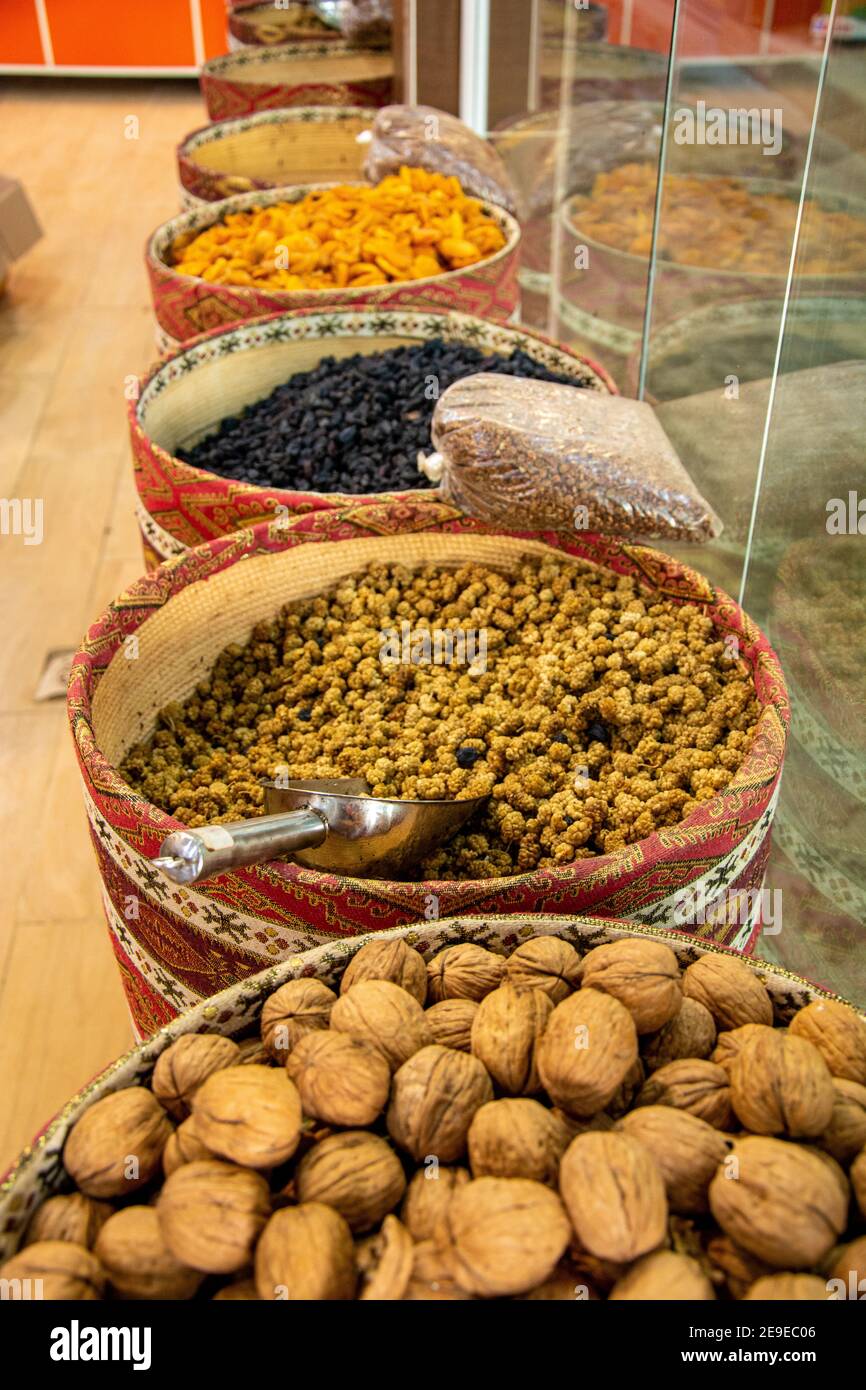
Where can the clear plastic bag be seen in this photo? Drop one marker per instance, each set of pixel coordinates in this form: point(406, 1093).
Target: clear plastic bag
point(426, 138)
point(539, 456)
point(366, 21)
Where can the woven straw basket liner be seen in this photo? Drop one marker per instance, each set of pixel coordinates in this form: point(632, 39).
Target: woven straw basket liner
point(219, 373)
point(328, 74)
point(185, 305)
point(306, 144)
point(186, 943)
point(235, 1013)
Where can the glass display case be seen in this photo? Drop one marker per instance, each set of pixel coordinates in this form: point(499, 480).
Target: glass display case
point(694, 188)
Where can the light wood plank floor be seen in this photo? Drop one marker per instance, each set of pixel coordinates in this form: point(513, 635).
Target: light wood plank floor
point(75, 320)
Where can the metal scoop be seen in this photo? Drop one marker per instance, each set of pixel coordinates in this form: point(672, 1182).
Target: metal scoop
point(331, 824)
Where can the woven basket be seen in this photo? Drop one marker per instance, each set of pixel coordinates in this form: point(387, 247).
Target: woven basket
point(329, 74)
point(220, 372)
point(235, 1013)
point(187, 943)
point(186, 305)
point(305, 144)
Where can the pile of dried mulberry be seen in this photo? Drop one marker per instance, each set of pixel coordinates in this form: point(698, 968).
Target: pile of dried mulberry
point(594, 712)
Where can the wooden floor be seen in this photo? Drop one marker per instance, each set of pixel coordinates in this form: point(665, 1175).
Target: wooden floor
point(75, 321)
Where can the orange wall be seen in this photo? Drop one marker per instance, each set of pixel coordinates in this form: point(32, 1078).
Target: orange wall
point(92, 33)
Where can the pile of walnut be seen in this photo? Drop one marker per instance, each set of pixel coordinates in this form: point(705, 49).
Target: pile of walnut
point(537, 1126)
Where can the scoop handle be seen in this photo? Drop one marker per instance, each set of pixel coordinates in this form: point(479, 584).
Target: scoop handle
point(188, 856)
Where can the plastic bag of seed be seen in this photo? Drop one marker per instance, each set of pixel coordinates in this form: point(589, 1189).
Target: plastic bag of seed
point(366, 21)
point(425, 138)
point(540, 456)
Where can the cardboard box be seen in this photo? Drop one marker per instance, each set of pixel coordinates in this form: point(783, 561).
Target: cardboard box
point(19, 227)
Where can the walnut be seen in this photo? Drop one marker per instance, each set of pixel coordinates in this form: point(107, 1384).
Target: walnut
point(663, 1275)
point(624, 1096)
point(563, 1285)
point(781, 1085)
point(845, 1135)
point(450, 1023)
point(306, 1253)
point(779, 1202)
point(432, 1277)
point(615, 1196)
point(428, 1194)
point(505, 1036)
point(504, 1235)
point(699, 1087)
point(253, 1053)
point(133, 1253)
point(434, 1097)
point(182, 1068)
point(601, 1121)
point(184, 1146)
point(116, 1147)
point(547, 963)
point(464, 972)
point(732, 1266)
point(296, 1008)
point(587, 1050)
point(341, 1080)
point(730, 989)
point(687, 1152)
point(390, 960)
point(210, 1214)
point(839, 1035)
point(692, 1033)
point(387, 1017)
point(517, 1139)
point(55, 1270)
point(857, 1174)
point(250, 1115)
point(788, 1288)
point(241, 1291)
point(729, 1044)
point(385, 1262)
point(642, 975)
point(74, 1217)
point(848, 1263)
point(356, 1173)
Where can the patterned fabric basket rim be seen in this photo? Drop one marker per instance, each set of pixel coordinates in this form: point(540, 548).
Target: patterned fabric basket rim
point(206, 215)
point(235, 1010)
point(279, 115)
point(760, 768)
point(276, 53)
point(277, 327)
